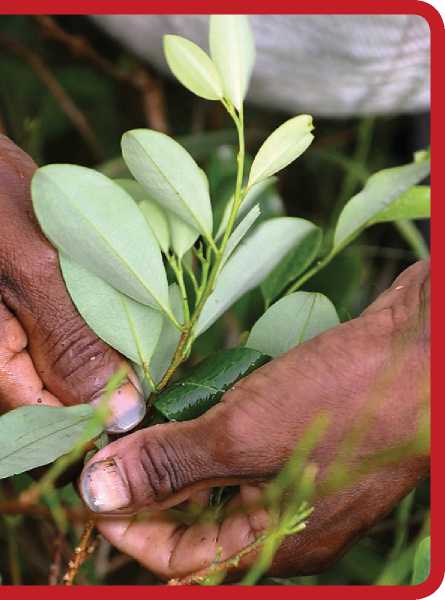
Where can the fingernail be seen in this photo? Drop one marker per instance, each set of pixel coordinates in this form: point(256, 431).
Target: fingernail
point(126, 405)
point(103, 487)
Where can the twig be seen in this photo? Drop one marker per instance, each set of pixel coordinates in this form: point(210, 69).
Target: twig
point(219, 567)
point(56, 564)
point(150, 88)
point(17, 507)
point(81, 553)
point(67, 105)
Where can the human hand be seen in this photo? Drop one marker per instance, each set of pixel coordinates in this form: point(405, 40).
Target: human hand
point(376, 365)
point(48, 355)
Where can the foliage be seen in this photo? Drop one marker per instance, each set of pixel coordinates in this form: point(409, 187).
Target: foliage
point(158, 264)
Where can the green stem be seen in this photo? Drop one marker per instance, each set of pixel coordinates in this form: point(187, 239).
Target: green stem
point(306, 276)
point(176, 265)
point(352, 178)
point(413, 238)
point(148, 376)
point(191, 274)
point(239, 122)
point(208, 280)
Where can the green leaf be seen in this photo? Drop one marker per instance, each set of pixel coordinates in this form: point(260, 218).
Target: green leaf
point(291, 321)
point(32, 436)
point(249, 265)
point(153, 213)
point(232, 49)
point(239, 233)
point(250, 199)
point(193, 67)
point(380, 192)
point(169, 230)
point(128, 326)
point(170, 175)
point(296, 261)
point(182, 235)
point(341, 281)
point(206, 383)
point(95, 222)
point(413, 204)
point(281, 148)
point(169, 337)
point(422, 561)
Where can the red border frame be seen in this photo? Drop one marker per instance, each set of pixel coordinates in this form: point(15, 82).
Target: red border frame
point(433, 18)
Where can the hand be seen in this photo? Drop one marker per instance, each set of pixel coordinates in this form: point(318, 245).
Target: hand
point(48, 355)
point(376, 365)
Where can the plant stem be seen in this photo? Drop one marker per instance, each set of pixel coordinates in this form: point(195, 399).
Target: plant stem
point(208, 281)
point(177, 359)
point(352, 178)
point(191, 274)
point(306, 276)
point(413, 238)
point(81, 553)
point(176, 265)
point(239, 122)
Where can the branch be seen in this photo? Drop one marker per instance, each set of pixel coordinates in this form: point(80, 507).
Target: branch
point(219, 567)
point(67, 105)
point(18, 507)
point(153, 102)
point(56, 564)
point(81, 553)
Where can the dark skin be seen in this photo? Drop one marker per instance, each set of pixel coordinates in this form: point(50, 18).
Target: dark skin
point(375, 367)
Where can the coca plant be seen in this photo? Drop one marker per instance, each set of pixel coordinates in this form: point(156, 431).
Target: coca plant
point(150, 269)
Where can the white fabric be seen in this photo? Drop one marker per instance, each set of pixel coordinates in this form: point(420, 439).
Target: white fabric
point(327, 65)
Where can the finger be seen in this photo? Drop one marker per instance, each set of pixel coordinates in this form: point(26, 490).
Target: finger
point(19, 383)
point(170, 550)
point(148, 538)
point(72, 362)
point(164, 465)
point(250, 434)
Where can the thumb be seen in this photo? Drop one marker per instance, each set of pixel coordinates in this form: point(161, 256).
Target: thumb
point(163, 465)
point(73, 364)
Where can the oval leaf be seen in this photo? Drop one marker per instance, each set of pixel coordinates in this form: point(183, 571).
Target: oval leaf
point(153, 213)
point(128, 326)
point(192, 67)
point(170, 175)
point(94, 221)
point(281, 148)
point(381, 190)
point(206, 383)
point(291, 321)
point(413, 204)
point(239, 233)
point(296, 261)
point(249, 200)
point(232, 48)
point(181, 234)
point(32, 436)
point(249, 265)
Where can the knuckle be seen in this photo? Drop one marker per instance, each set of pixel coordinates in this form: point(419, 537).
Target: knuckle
point(75, 353)
point(75, 349)
point(163, 470)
